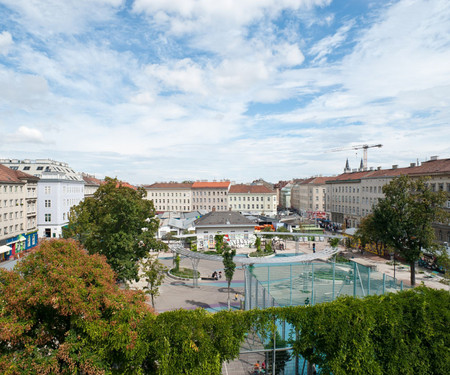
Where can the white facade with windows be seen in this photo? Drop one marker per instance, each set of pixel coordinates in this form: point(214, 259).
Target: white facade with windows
point(59, 188)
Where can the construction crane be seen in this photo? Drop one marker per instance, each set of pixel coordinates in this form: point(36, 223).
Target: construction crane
point(359, 147)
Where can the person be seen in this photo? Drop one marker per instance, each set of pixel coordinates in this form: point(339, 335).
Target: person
point(236, 297)
point(220, 274)
point(256, 368)
point(214, 275)
point(314, 247)
point(263, 366)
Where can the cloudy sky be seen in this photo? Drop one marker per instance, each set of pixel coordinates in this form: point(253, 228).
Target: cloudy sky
point(159, 90)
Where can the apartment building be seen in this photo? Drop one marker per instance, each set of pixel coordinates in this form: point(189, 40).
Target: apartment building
point(18, 212)
point(308, 197)
point(210, 196)
point(58, 189)
point(170, 196)
point(352, 195)
point(254, 199)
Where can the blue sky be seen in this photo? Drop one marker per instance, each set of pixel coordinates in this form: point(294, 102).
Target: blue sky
point(156, 90)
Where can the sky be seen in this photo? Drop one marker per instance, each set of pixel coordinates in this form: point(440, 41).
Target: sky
point(158, 90)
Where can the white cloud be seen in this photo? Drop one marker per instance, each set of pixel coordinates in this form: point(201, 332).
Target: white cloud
point(195, 15)
point(326, 45)
point(6, 42)
point(25, 135)
point(47, 17)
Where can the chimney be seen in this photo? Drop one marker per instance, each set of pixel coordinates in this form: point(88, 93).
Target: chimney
point(395, 166)
point(433, 158)
point(379, 168)
point(412, 165)
point(371, 168)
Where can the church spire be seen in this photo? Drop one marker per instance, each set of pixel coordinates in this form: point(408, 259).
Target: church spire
point(347, 167)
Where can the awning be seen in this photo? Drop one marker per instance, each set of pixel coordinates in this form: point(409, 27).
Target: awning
point(4, 249)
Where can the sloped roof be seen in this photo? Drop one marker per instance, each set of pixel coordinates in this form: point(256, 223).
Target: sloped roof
point(91, 180)
point(250, 189)
point(426, 168)
point(223, 218)
point(210, 185)
point(11, 176)
point(168, 185)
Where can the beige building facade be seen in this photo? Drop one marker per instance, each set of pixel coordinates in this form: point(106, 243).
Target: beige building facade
point(170, 196)
point(18, 212)
point(210, 196)
point(254, 199)
point(351, 196)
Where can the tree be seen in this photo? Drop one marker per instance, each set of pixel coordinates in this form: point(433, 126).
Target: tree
point(118, 223)
point(268, 246)
point(154, 273)
point(229, 267)
point(258, 244)
point(219, 243)
point(62, 312)
point(368, 233)
point(403, 218)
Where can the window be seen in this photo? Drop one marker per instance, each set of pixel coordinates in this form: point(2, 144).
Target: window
point(27, 168)
point(48, 203)
point(47, 218)
point(47, 189)
point(40, 168)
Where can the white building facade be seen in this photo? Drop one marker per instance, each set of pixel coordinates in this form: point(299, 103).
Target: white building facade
point(58, 189)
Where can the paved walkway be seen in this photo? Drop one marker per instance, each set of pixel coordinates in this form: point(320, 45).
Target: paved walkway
point(176, 294)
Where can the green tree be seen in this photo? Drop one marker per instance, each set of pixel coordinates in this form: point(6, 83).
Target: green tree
point(219, 243)
point(154, 273)
point(368, 232)
point(229, 267)
point(258, 244)
point(268, 246)
point(403, 218)
point(117, 223)
point(334, 242)
point(61, 312)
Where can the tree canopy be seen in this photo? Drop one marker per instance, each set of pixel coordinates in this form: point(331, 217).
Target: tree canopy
point(118, 223)
point(403, 218)
point(61, 312)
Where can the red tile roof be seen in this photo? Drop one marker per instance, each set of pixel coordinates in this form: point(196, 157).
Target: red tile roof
point(168, 185)
point(210, 185)
point(9, 175)
point(250, 189)
point(427, 168)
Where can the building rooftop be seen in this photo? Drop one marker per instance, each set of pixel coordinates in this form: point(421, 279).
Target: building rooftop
point(43, 168)
point(223, 218)
point(91, 180)
point(168, 185)
point(250, 189)
point(211, 185)
point(14, 176)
